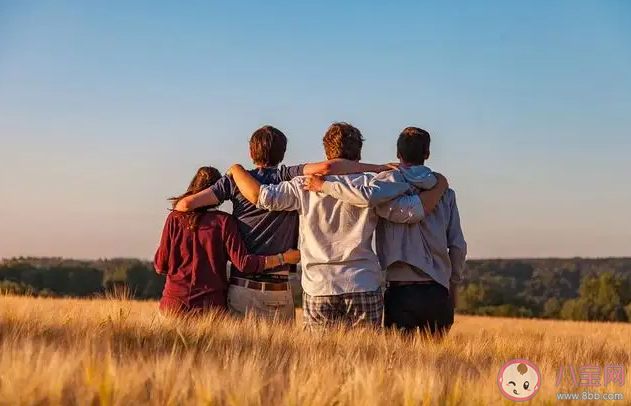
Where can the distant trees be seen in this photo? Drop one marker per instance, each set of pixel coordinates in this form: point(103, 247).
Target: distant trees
point(601, 297)
point(572, 289)
point(55, 277)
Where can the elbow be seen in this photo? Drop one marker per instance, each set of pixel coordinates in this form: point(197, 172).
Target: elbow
point(253, 198)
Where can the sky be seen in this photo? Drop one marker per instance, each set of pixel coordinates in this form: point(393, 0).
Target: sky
point(108, 108)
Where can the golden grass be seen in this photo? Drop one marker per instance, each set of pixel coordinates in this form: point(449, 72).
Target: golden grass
point(108, 352)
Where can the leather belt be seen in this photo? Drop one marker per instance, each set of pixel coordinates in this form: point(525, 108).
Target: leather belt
point(265, 286)
point(404, 283)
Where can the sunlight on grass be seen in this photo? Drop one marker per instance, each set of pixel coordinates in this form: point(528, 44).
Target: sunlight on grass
point(121, 352)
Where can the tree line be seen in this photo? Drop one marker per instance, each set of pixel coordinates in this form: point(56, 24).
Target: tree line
point(571, 289)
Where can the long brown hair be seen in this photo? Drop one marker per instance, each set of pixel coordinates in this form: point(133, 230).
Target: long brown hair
point(205, 177)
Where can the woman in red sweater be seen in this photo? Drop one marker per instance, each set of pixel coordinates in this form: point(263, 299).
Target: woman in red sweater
point(195, 249)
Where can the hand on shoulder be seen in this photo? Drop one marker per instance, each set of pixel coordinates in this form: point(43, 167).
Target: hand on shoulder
point(313, 183)
point(441, 181)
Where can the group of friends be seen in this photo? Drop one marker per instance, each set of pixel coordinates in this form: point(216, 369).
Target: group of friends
point(324, 216)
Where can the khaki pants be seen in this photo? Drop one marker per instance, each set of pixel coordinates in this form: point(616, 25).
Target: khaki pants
point(271, 305)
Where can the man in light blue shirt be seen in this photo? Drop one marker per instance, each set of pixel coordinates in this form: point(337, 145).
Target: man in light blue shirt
point(424, 260)
point(341, 275)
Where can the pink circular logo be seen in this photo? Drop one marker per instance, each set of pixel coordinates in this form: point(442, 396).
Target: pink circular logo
point(519, 380)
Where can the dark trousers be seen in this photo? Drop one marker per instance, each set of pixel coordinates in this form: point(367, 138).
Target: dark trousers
point(426, 307)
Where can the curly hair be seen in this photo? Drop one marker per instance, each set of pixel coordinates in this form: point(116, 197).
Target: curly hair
point(205, 177)
point(342, 140)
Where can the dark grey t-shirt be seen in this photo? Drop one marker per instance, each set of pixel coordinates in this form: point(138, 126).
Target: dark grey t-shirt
point(265, 232)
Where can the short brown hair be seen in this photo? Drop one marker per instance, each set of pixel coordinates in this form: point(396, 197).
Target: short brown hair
point(267, 146)
point(342, 140)
point(413, 145)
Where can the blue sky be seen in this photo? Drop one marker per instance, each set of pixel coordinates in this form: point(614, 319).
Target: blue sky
point(108, 108)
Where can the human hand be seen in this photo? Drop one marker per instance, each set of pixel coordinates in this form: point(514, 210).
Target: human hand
point(441, 181)
point(390, 166)
point(291, 256)
point(314, 183)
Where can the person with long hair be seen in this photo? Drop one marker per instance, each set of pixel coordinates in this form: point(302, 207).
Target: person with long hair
point(194, 251)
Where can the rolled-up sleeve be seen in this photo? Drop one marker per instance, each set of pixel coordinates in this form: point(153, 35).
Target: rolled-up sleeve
point(456, 242)
point(282, 197)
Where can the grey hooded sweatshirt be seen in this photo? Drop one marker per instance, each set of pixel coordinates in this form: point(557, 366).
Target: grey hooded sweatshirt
point(414, 250)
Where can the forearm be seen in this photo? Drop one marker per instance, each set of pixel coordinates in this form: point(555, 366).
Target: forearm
point(372, 195)
point(273, 261)
point(345, 167)
point(247, 184)
point(356, 196)
point(431, 198)
point(204, 198)
point(453, 294)
point(457, 257)
point(340, 166)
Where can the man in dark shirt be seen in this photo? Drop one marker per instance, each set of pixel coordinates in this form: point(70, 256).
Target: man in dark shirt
point(267, 233)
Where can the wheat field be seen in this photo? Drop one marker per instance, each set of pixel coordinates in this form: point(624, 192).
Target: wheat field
point(120, 352)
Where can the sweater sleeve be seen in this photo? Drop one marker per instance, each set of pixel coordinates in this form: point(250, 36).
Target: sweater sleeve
point(162, 257)
point(374, 192)
point(456, 242)
point(238, 252)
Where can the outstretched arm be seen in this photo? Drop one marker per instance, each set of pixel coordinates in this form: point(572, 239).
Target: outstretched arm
point(281, 197)
point(371, 195)
point(204, 198)
point(398, 209)
point(341, 166)
point(218, 193)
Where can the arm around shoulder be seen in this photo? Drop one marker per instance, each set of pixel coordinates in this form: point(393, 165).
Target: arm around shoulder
point(341, 166)
point(374, 192)
point(246, 183)
point(285, 196)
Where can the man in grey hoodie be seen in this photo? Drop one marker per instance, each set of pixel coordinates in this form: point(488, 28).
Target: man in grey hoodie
point(424, 261)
